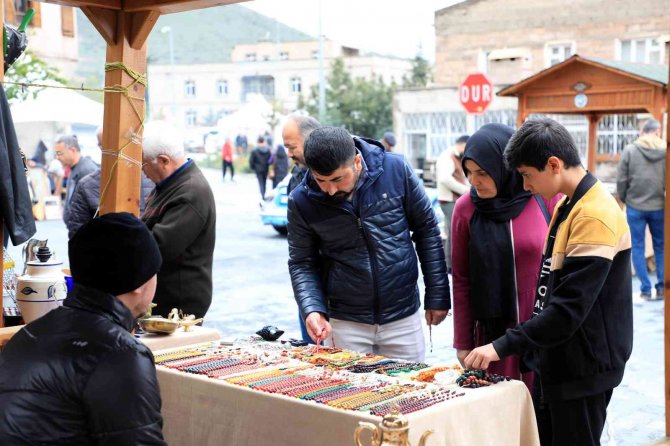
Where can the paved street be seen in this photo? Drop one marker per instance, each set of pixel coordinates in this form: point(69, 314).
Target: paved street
point(252, 289)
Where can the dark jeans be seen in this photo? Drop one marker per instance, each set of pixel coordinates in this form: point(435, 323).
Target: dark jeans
point(228, 165)
point(262, 180)
point(638, 220)
point(578, 422)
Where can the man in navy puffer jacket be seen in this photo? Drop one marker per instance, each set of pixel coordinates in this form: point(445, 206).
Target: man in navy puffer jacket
point(351, 224)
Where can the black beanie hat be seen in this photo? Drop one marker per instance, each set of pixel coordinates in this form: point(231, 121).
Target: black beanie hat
point(115, 253)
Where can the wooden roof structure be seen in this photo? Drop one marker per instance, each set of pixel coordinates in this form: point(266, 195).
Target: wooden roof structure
point(593, 87)
point(609, 87)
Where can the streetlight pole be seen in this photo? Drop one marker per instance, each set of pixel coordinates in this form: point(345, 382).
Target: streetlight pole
point(322, 76)
point(167, 29)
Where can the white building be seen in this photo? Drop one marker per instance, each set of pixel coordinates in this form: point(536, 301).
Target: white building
point(281, 72)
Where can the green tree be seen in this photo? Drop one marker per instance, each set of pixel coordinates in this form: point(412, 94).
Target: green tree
point(30, 69)
point(362, 106)
point(420, 75)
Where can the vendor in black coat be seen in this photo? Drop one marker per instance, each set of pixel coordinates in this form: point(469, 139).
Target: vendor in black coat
point(77, 375)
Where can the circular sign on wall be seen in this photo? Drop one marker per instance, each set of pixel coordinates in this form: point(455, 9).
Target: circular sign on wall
point(581, 100)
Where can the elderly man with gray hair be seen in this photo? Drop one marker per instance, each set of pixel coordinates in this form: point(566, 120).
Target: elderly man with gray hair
point(641, 185)
point(68, 152)
point(181, 214)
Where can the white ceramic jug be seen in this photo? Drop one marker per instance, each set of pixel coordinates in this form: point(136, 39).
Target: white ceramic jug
point(43, 287)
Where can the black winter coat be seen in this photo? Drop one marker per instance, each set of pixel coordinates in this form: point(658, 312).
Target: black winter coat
point(355, 260)
point(16, 209)
point(76, 376)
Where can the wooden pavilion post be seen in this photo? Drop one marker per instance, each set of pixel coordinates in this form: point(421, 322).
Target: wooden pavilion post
point(592, 150)
point(125, 34)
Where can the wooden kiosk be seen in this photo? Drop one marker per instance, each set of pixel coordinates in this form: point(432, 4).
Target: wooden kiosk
point(594, 87)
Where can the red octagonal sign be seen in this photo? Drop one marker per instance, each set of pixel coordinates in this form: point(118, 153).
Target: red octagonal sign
point(476, 93)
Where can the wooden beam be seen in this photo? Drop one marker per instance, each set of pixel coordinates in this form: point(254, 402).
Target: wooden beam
point(173, 6)
point(120, 179)
point(593, 142)
point(104, 20)
point(143, 23)
point(108, 4)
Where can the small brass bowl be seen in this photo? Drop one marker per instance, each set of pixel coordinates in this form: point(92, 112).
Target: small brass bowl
point(159, 325)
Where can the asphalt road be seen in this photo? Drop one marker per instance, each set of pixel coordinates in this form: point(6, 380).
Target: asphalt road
point(252, 289)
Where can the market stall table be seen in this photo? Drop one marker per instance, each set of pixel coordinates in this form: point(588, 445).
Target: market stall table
point(179, 338)
point(199, 410)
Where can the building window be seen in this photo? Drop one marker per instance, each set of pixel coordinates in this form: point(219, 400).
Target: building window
point(67, 21)
point(263, 85)
point(483, 61)
point(250, 57)
point(555, 53)
point(189, 89)
point(644, 50)
point(222, 87)
point(283, 55)
point(315, 54)
point(296, 85)
point(191, 118)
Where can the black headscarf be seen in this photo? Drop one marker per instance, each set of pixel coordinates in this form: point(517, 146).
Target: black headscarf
point(493, 292)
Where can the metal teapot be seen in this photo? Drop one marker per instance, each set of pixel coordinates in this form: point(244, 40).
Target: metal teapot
point(393, 430)
point(43, 287)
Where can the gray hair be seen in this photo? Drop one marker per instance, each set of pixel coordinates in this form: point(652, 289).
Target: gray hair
point(651, 126)
point(306, 124)
point(69, 141)
point(161, 138)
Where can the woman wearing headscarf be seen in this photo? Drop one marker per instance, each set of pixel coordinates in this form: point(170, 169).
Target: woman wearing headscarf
point(498, 232)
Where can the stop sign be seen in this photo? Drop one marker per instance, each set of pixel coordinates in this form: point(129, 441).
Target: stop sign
point(476, 93)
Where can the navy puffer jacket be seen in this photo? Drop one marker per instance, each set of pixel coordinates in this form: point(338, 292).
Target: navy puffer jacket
point(355, 260)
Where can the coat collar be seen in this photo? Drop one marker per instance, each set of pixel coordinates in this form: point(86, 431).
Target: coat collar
point(103, 304)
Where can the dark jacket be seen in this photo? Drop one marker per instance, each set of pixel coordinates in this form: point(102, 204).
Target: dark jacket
point(297, 175)
point(76, 376)
point(84, 167)
point(582, 335)
point(16, 208)
point(641, 174)
point(181, 214)
point(84, 203)
point(280, 164)
point(259, 160)
point(355, 260)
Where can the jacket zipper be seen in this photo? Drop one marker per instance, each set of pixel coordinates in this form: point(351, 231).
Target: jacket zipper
point(373, 270)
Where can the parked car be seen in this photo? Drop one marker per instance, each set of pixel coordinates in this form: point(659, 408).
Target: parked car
point(275, 207)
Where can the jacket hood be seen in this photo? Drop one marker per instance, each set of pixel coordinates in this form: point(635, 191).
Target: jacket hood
point(652, 147)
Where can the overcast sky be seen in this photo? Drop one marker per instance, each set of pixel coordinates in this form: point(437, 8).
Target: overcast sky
point(393, 27)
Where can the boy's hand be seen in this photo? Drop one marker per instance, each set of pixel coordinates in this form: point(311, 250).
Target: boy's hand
point(481, 357)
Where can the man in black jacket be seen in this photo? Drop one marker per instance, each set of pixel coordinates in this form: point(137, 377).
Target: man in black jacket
point(181, 214)
point(352, 261)
point(76, 375)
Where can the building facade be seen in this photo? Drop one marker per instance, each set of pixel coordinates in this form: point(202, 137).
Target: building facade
point(281, 72)
point(510, 40)
point(52, 33)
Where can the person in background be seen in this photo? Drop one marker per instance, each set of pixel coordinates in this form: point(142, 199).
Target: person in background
point(499, 231)
point(68, 153)
point(353, 226)
point(388, 141)
point(86, 198)
point(296, 130)
point(581, 333)
point(181, 214)
point(65, 377)
point(227, 159)
point(451, 184)
point(641, 186)
point(279, 165)
point(259, 162)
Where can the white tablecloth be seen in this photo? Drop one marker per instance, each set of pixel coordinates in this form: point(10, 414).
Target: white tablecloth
point(179, 338)
point(203, 411)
